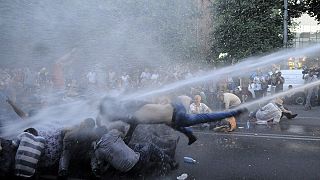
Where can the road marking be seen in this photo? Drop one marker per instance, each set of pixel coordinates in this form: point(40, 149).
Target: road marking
point(271, 136)
point(305, 117)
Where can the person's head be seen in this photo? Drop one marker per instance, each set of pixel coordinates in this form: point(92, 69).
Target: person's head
point(279, 73)
point(197, 99)
point(278, 101)
point(88, 123)
point(290, 86)
point(31, 131)
point(109, 108)
point(119, 126)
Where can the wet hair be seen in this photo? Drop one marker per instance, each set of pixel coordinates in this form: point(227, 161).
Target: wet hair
point(88, 123)
point(32, 131)
point(197, 96)
point(109, 106)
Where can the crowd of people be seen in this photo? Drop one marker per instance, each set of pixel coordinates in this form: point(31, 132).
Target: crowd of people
point(104, 147)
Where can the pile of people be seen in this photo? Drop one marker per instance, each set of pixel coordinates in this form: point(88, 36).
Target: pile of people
point(105, 143)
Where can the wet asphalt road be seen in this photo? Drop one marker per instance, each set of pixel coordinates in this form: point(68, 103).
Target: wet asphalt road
point(290, 150)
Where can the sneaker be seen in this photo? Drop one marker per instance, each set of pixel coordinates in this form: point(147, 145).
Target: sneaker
point(221, 128)
point(192, 139)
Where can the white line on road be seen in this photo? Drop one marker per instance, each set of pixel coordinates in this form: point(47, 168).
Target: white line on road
point(271, 136)
point(304, 117)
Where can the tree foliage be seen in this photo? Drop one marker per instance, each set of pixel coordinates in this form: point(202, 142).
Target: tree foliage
point(311, 7)
point(245, 28)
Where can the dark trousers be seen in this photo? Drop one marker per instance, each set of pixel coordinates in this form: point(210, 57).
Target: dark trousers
point(181, 120)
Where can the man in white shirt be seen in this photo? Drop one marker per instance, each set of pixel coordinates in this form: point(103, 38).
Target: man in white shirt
point(197, 107)
point(230, 100)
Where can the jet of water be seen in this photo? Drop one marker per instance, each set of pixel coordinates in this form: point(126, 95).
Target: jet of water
point(235, 70)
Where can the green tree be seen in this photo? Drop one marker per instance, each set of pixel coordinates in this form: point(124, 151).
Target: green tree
point(312, 7)
point(245, 28)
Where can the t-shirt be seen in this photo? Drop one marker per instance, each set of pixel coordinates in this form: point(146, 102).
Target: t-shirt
point(202, 108)
point(28, 153)
point(230, 100)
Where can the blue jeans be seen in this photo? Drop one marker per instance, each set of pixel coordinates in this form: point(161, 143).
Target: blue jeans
point(182, 119)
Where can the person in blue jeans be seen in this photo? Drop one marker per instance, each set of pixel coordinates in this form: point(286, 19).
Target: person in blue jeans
point(173, 114)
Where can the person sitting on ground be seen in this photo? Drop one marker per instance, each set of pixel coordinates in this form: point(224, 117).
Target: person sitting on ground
point(198, 107)
point(76, 144)
point(230, 101)
point(30, 148)
point(133, 159)
point(273, 112)
point(173, 114)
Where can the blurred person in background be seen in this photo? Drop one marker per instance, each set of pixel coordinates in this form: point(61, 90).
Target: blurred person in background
point(309, 91)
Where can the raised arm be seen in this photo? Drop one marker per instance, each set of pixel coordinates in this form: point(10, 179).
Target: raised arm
point(19, 112)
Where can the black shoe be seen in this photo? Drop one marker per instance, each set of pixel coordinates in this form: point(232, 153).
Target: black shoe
point(293, 116)
point(192, 138)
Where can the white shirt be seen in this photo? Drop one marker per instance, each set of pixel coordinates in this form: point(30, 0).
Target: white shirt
point(231, 100)
point(202, 108)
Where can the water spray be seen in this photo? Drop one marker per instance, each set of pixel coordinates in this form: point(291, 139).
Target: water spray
point(72, 113)
point(235, 70)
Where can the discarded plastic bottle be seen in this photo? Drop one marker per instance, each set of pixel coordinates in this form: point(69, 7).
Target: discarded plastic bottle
point(248, 124)
point(189, 160)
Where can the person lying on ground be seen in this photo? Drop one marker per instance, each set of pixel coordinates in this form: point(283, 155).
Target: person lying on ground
point(133, 159)
point(273, 112)
point(173, 114)
point(30, 148)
